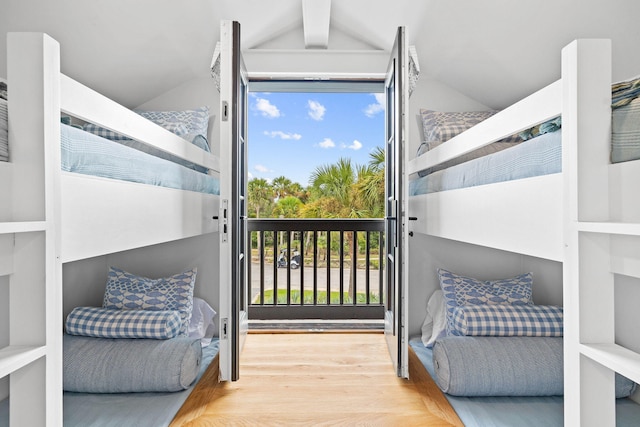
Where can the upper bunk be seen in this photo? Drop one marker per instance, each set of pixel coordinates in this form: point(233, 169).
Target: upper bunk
point(96, 214)
point(527, 215)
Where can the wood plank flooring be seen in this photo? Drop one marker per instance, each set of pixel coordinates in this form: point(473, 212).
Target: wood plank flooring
point(321, 379)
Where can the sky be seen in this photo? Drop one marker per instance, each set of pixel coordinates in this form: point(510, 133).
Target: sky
point(290, 134)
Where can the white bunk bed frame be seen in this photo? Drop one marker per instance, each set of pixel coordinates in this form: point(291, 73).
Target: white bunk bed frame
point(49, 217)
point(587, 217)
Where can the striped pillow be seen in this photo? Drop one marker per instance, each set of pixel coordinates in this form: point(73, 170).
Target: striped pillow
point(107, 323)
point(508, 320)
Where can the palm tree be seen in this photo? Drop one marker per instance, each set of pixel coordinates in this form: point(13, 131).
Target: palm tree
point(261, 194)
point(288, 207)
point(370, 185)
point(281, 186)
point(334, 188)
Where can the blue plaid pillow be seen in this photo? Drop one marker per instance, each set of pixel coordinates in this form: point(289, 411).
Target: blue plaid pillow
point(105, 323)
point(186, 123)
point(196, 120)
point(441, 126)
point(126, 291)
point(508, 320)
point(461, 291)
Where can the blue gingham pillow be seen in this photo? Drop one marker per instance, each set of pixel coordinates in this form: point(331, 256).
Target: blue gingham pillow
point(508, 320)
point(126, 291)
point(105, 323)
point(185, 123)
point(104, 133)
point(441, 126)
point(460, 290)
point(196, 120)
point(179, 129)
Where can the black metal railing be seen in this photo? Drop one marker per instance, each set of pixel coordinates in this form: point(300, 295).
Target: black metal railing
point(316, 268)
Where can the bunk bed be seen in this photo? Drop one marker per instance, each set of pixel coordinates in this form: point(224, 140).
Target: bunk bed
point(583, 213)
point(50, 216)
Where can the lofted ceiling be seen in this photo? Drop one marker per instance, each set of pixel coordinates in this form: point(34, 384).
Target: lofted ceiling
point(493, 51)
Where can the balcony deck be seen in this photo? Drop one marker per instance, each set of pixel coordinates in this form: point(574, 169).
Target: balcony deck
point(316, 269)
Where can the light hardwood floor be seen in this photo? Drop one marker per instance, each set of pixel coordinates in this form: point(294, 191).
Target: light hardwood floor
point(321, 379)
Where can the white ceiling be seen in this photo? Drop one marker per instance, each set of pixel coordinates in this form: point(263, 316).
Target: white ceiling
point(494, 51)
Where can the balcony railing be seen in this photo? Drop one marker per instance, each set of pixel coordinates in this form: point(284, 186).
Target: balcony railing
point(316, 268)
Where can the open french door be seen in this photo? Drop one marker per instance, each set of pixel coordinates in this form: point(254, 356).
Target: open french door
point(396, 227)
point(233, 209)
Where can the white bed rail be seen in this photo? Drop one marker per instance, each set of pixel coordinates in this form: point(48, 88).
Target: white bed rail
point(530, 111)
point(86, 104)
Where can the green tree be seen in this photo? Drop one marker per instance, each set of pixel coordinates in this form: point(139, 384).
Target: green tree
point(261, 195)
point(370, 184)
point(288, 207)
point(337, 192)
point(281, 186)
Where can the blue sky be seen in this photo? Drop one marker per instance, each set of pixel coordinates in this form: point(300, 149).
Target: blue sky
point(291, 134)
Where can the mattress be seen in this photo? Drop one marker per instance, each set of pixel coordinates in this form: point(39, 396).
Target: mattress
point(123, 409)
point(89, 154)
point(516, 411)
point(537, 156)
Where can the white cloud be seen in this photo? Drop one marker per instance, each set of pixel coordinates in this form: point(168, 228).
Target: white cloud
point(267, 109)
point(261, 168)
point(378, 107)
point(316, 110)
point(283, 135)
point(355, 145)
point(327, 143)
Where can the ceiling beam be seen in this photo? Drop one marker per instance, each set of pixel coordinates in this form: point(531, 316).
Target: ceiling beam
point(316, 16)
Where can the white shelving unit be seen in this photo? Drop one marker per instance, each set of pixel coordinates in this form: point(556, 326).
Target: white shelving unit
point(591, 354)
point(33, 358)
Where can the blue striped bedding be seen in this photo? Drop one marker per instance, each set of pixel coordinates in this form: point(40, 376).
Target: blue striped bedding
point(516, 411)
point(123, 409)
point(540, 155)
point(89, 154)
point(537, 156)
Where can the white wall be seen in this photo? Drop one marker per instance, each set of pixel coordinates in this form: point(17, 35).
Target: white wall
point(4, 328)
point(627, 295)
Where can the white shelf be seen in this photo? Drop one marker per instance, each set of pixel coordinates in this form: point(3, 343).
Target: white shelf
point(21, 227)
point(615, 357)
point(622, 228)
point(15, 357)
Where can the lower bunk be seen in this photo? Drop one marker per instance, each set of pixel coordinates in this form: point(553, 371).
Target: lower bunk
point(152, 409)
point(505, 410)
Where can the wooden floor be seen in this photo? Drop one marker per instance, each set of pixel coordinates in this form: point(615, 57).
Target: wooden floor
point(319, 379)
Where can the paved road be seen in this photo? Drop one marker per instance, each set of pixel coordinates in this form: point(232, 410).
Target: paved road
point(281, 274)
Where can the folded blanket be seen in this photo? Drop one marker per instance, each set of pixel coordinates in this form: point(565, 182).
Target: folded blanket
point(622, 93)
point(104, 365)
point(504, 366)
